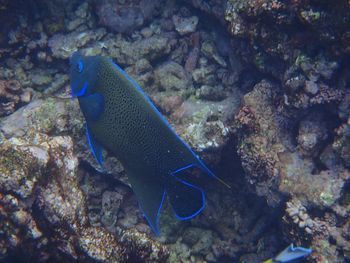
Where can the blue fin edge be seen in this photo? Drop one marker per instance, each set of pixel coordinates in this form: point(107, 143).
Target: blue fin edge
point(193, 186)
point(99, 159)
point(155, 228)
point(80, 93)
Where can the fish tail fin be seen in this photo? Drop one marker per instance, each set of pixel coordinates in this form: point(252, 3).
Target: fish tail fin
point(186, 199)
point(209, 172)
point(223, 182)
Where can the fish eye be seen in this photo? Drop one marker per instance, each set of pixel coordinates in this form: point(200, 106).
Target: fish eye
point(80, 66)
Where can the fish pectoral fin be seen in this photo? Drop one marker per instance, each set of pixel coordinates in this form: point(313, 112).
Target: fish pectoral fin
point(92, 106)
point(186, 199)
point(150, 194)
point(95, 147)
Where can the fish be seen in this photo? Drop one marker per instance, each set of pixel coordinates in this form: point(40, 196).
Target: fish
point(290, 254)
point(121, 119)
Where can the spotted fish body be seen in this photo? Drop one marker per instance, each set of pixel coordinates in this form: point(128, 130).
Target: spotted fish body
point(122, 119)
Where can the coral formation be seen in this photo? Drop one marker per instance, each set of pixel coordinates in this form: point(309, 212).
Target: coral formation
point(258, 88)
point(41, 173)
point(12, 95)
point(125, 16)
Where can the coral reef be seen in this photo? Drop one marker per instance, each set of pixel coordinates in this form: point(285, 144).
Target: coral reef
point(125, 16)
point(279, 165)
point(40, 173)
point(258, 88)
point(12, 95)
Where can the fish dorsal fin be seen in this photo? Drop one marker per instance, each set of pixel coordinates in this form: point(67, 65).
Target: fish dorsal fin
point(95, 147)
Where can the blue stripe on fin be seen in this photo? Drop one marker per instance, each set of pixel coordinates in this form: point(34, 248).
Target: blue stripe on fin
point(182, 169)
point(95, 147)
point(82, 91)
point(187, 200)
point(154, 227)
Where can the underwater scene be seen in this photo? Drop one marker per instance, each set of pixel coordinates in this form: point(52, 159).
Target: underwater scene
point(175, 131)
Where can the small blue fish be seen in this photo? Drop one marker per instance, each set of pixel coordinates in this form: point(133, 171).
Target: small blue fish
point(290, 254)
point(122, 119)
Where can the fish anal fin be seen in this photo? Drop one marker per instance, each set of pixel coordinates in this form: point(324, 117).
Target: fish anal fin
point(150, 194)
point(95, 147)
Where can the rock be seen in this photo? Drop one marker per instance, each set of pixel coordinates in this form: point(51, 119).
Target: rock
point(45, 116)
point(206, 125)
point(191, 236)
point(312, 132)
point(329, 158)
point(297, 172)
point(172, 77)
point(179, 251)
point(11, 95)
point(211, 93)
point(259, 117)
point(111, 205)
point(209, 50)
point(311, 87)
point(143, 74)
point(168, 103)
point(204, 243)
point(93, 242)
point(124, 17)
point(341, 144)
point(312, 189)
point(128, 53)
point(59, 80)
point(55, 116)
point(13, 178)
point(143, 248)
point(147, 32)
point(214, 8)
point(204, 74)
point(41, 79)
point(81, 16)
point(62, 46)
point(192, 59)
point(42, 171)
point(185, 25)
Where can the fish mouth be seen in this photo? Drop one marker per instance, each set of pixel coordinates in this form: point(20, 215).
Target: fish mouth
point(78, 93)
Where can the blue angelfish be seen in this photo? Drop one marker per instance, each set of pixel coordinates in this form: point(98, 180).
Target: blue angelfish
point(122, 119)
